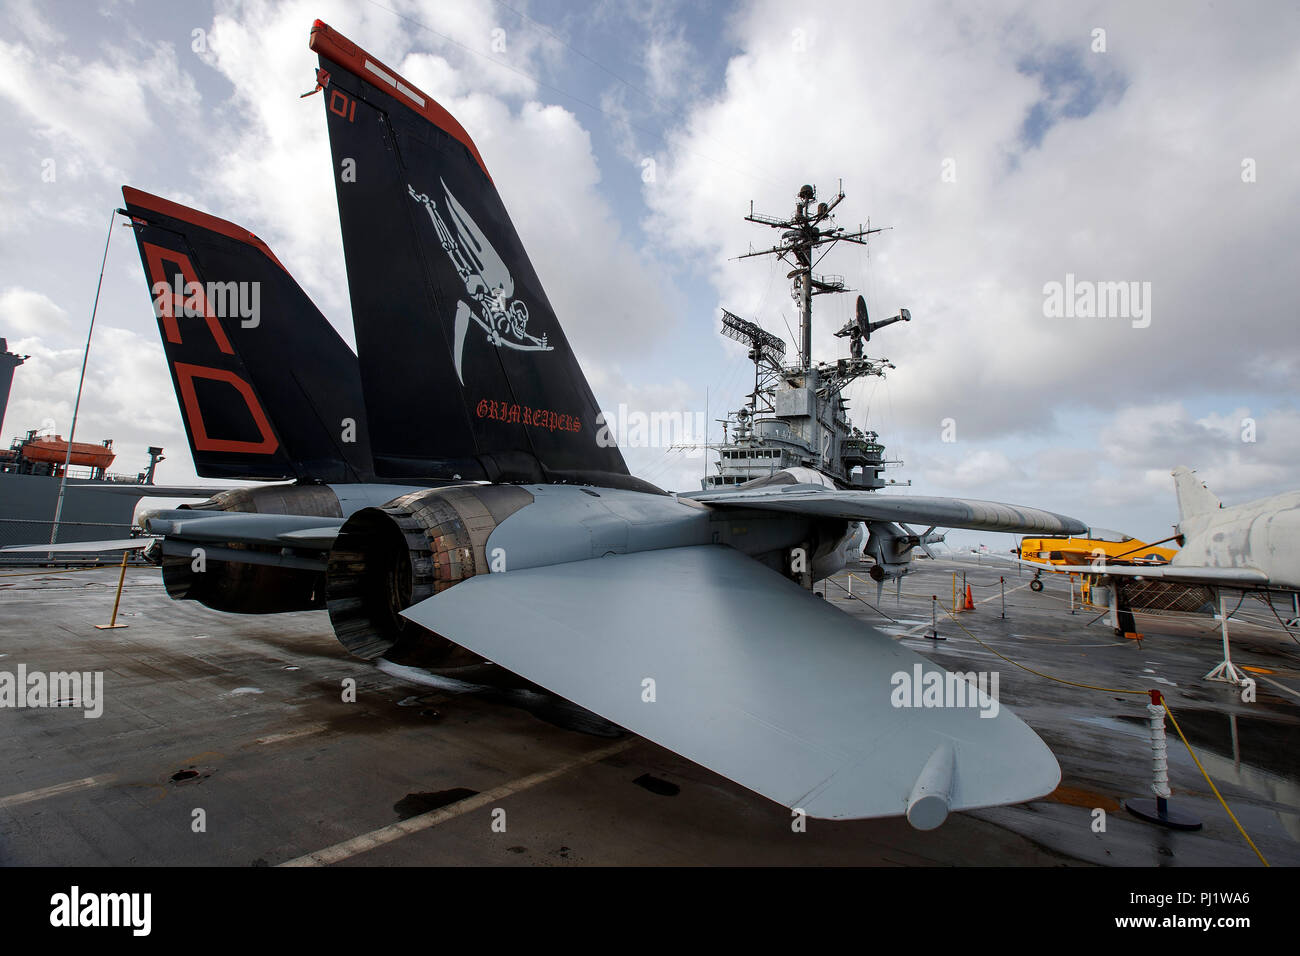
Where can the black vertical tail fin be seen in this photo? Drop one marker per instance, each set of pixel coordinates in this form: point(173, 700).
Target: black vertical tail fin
point(267, 388)
point(463, 363)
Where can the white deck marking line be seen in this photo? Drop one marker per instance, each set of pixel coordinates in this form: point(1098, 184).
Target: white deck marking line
point(377, 838)
point(18, 799)
point(291, 735)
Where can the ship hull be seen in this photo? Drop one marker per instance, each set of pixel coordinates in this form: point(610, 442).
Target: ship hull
point(27, 504)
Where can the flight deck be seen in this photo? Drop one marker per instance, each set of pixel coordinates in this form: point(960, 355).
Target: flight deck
point(245, 740)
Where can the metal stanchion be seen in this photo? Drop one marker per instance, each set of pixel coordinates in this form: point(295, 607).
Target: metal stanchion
point(1158, 810)
point(934, 622)
point(121, 579)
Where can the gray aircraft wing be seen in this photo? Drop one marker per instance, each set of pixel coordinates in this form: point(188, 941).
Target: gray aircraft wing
point(753, 677)
point(302, 531)
point(872, 506)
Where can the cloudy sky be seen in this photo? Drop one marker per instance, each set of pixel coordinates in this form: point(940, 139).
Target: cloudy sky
point(1007, 145)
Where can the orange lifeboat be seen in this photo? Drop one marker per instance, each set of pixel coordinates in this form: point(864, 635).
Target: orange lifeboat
point(55, 451)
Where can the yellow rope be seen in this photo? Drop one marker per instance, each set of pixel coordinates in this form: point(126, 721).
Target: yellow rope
point(1112, 690)
point(1233, 816)
point(1059, 680)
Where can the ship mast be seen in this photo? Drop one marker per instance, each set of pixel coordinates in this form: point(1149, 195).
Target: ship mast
point(810, 228)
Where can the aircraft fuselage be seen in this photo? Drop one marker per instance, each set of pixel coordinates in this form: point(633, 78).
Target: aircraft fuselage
point(1261, 534)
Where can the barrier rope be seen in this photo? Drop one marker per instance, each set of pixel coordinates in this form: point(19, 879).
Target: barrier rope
point(1113, 690)
point(863, 600)
point(1233, 816)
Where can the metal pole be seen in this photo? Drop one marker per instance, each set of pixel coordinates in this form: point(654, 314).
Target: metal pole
point(1003, 582)
point(72, 432)
point(121, 579)
point(805, 313)
point(1158, 810)
point(1226, 671)
point(934, 622)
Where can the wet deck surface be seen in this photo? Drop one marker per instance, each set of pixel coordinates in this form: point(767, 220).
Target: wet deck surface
point(243, 718)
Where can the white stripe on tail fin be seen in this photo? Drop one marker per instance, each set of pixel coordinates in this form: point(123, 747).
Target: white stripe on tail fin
point(1193, 497)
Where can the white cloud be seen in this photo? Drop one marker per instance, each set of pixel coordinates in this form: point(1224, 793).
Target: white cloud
point(1147, 187)
point(27, 313)
point(97, 111)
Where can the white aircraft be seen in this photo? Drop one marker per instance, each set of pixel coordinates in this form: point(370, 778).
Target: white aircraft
point(1251, 546)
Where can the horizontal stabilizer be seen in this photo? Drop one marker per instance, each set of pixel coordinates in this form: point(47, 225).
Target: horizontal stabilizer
point(299, 531)
point(722, 660)
point(74, 547)
point(872, 506)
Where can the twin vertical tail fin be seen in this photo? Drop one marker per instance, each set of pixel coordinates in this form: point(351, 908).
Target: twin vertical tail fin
point(465, 369)
point(1193, 497)
point(267, 388)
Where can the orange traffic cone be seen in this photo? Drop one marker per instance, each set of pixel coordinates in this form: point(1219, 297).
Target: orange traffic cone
point(970, 601)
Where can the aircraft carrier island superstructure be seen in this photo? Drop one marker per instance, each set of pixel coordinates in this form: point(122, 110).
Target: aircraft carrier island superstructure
point(796, 415)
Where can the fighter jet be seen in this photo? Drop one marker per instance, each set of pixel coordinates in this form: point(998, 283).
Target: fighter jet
point(485, 520)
